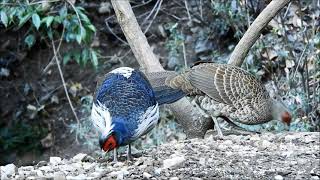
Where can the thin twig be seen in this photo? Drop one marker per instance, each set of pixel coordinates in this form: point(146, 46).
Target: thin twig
point(186, 4)
point(111, 31)
point(151, 12)
point(65, 87)
point(76, 11)
point(154, 17)
point(184, 55)
point(58, 49)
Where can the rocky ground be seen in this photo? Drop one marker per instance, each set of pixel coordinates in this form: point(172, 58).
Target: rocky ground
point(265, 156)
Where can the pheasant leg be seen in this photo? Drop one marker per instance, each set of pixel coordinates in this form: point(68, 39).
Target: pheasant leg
point(129, 156)
point(115, 154)
point(216, 126)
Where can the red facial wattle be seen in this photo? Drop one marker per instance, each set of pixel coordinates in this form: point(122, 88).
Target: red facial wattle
point(110, 144)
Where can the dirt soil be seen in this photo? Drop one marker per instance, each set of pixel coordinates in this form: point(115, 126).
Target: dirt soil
point(264, 156)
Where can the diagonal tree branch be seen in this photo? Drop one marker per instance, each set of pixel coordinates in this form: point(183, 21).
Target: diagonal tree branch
point(254, 31)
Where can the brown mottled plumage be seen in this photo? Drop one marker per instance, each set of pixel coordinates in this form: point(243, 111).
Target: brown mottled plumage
point(231, 91)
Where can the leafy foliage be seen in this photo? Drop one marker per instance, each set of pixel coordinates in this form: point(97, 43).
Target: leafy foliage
point(21, 137)
point(52, 20)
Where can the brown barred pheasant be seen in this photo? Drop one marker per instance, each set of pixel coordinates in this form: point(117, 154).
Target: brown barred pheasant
point(230, 92)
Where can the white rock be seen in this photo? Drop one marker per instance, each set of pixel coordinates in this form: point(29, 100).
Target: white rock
point(202, 161)
point(289, 138)
point(88, 166)
point(55, 160)
point(39, 173)
point(79, 177)
point(173, 162)
point(7, 171)
point(278, 177)
point(96, 174)
point(27, 168)
point(46, 168)
point(67, 168)
point(146, 175)
point(119, 174)
point(31, 178)
point(157, 171)
point(174, 178)
point(59, 175)
point(228, 142)
point(79, 157)
point(266, 144)
point(315, 177)
point(77, 165)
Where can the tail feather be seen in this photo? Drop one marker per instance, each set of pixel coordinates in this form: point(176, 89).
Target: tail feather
point(163, 92)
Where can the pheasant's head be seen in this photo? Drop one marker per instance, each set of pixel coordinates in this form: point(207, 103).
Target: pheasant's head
point(108, 142)
point(280, 111)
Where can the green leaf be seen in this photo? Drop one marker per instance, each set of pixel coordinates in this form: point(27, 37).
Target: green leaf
point(23, 20)
point(94, 59)
point(85, 56)
point(91, 27)
point(63, 12)
point(48, 20)
point(66, 58)
point(81, 35)
point(4, 18)
point(36, 20)
point(29, 40)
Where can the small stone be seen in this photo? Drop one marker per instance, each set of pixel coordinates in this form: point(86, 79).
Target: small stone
point(42, 163)
point(202, 161)
point(96, 174)
point(278, 177)
point(174, 178)
point(146, 175)
point(173, 162)
point(27, 168)
point(59, 175)
point(157, 171)
point(79, 177)
point(31, 178)
point(39, 173)
point(266, 144)
point(79, 157)
point(118, 164)
point(315, 177)
point(8, 171)
point(46, 168)
point(55, 160)
point(88, 166)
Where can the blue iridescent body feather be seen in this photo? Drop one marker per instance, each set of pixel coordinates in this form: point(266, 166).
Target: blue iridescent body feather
point(127, 95)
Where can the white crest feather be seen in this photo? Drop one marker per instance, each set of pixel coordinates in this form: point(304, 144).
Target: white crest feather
point(101, 118)
point(124, 71)
point(147, 121)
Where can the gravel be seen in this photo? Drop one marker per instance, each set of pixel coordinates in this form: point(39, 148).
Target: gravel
point(265, 156)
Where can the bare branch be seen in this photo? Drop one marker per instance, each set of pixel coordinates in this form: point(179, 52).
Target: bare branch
point(250, 37)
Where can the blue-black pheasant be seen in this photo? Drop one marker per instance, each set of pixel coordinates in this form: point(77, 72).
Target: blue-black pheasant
point(126, 107)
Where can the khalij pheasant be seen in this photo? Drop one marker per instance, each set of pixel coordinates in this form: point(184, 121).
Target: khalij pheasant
point(126, 107)
point(228, 92)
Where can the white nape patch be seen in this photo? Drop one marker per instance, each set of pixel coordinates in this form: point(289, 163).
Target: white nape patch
point(147, 121)
point(124, 71)
point(101, 118)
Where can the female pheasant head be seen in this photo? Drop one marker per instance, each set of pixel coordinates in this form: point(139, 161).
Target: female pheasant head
point(279, 111)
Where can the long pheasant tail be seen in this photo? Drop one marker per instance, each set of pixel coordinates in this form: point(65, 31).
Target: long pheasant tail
point(165, 94)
